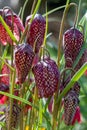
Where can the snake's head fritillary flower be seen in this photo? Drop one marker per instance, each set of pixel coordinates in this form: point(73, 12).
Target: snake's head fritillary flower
point(14, 23)
point(46, 75)
point(24, 56)
point(35, 36)
point(72, 42)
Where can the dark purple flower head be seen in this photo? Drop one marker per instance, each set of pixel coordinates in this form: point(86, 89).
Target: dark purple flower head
point(24, 56)
point(46, 77)
point(36, 32)
point(70, 104)
point(73, 40)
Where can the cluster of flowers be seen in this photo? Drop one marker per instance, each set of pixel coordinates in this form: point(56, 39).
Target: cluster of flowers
point(45, 70)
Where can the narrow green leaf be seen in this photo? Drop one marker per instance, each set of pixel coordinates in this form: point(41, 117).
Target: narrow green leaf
point(18, 98)
point(8, 30)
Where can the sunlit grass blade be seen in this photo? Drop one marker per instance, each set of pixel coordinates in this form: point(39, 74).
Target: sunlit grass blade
point(18, 98)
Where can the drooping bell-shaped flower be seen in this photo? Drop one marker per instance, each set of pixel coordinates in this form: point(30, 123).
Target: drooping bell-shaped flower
point(14, 23)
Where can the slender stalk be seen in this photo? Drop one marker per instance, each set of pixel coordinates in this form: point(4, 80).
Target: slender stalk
point(44, 42)
point(33, 6)
point(21, 120)
point(22, 113)
point(55, 110)
point(11, 100)
point(46, 29)
point(23, 9)
point(34, 111)
point(40, 114)
point(79, 7)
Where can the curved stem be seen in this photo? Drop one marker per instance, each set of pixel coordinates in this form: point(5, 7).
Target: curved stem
point(79, 7)
point(33, 6)
point(62, 28)
point(62, 73)
point(11, 100)
point(44, 42)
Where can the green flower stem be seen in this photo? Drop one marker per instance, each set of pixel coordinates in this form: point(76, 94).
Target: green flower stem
point(22, 113)
point(33, 6)
point(79, 7)
point(34, 111)
point(55, 110)
point(40, 114)
point(44, 42)
point(23, 9)
point(28, 26)
point(11, 100)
